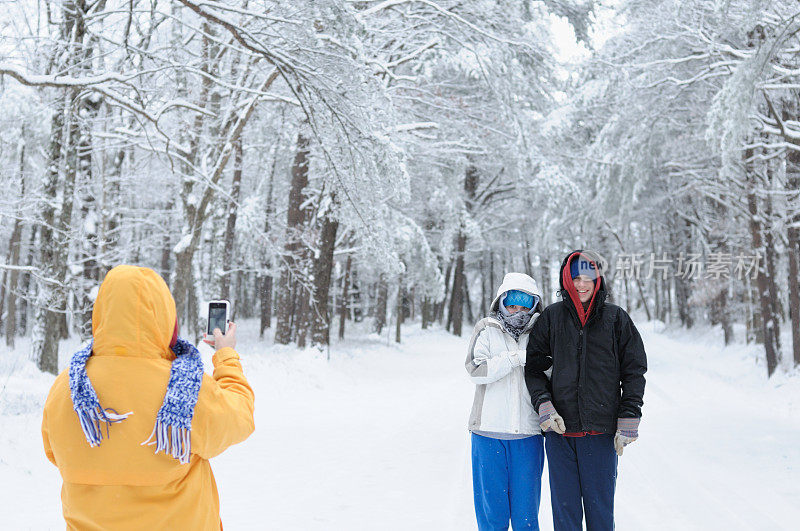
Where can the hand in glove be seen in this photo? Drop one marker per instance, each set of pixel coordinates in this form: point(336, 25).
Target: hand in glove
point(627, 432)
point(550, 420)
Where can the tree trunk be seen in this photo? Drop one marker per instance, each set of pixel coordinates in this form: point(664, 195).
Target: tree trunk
point(768, 318)
point(230, 224)
point(426, 310)
point(468, 301)
point(323, 266)
point(110, 216)
point(679, 240)
point(399, 311)
point(380, 305)
point(441, 305)
point(717, 243)
point(456, 306)
point(794, 291)
point(10, 320)
point(3, 299)
point(721, 314)
point(46, 330)
point(793, 237)
point(166, 249)
point(265, 303)
point(655, 278)
point(355, 307)
point(265, 278)
point(289, 299)
point(345, 302)
point(526, 256)
point(25, 283)
point(770, 236)
point(301, 318)
point(11, 286)
point(668, 311)
point(182, 283)
point(492, 284)
point(457, 292)
point(295, 223)
point(85, 113)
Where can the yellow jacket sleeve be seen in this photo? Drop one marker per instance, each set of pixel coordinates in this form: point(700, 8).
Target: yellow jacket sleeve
point(224, 412)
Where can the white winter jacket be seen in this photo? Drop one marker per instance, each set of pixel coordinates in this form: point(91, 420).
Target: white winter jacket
point(495, 362)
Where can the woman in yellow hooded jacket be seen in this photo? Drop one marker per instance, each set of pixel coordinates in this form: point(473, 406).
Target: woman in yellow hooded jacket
point(153, 392)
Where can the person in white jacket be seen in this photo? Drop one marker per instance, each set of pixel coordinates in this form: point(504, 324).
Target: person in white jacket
point(507, 443)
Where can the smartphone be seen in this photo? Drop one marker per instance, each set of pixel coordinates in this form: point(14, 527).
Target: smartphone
point(219, 313)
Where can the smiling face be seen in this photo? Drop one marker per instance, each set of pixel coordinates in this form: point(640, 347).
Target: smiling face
point(514, 308)
point(585, 287)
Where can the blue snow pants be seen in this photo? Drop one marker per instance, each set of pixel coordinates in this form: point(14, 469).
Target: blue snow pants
point(583, 477)
point(507, 482)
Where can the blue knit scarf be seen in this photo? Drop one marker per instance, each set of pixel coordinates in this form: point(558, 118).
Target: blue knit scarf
point(173, 428)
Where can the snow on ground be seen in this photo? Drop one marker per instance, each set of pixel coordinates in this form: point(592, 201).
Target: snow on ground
point(375, 438)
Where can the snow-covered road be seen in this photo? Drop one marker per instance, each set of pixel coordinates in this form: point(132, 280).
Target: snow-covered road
point(376, 439)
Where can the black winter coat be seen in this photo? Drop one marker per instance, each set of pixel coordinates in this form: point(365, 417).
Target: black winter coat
point(598, 369)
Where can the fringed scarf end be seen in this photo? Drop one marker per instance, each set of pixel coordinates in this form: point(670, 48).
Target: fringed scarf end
point(172, 440)
point(90, 420)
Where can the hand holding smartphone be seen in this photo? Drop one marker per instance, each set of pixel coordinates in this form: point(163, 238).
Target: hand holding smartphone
point(219, 313)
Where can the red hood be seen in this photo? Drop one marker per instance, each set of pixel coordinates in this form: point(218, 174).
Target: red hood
point(569, 286)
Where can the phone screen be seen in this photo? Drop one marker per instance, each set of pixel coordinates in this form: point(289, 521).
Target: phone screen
point(216, 317)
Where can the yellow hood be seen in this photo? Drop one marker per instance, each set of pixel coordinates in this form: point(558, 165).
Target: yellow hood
point(134, 314)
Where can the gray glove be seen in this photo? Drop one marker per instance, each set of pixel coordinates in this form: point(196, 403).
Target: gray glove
point(627, 432)
point(550, 420)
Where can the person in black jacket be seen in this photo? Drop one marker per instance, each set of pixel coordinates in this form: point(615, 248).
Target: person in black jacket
point(591, 406)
